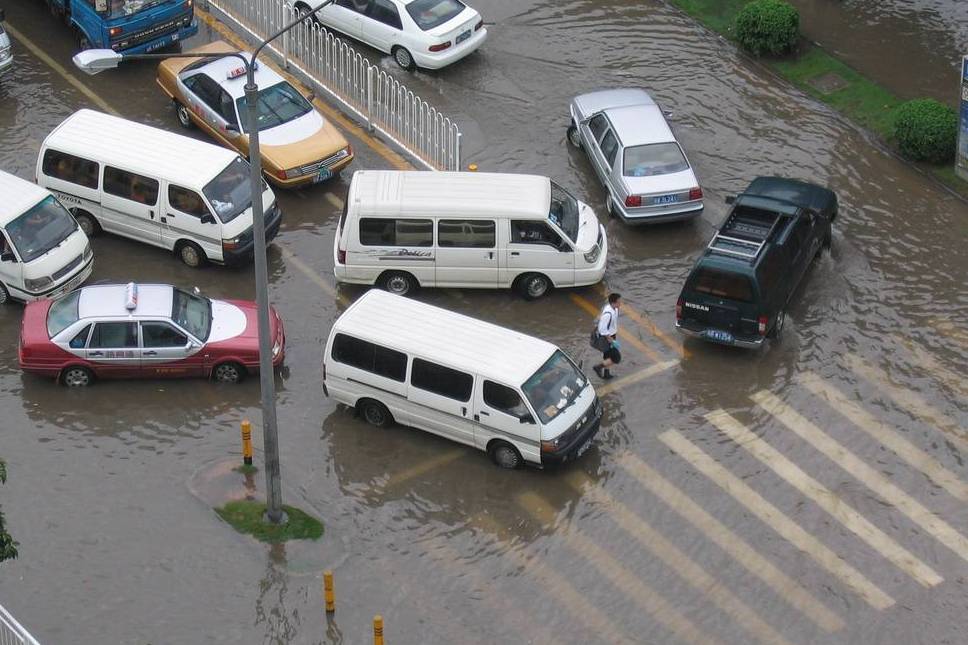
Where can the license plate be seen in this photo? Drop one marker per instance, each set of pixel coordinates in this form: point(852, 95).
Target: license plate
point(665, 199)
point(323, 175)
point(581, 451)
point(464, 36)
point(719, 336)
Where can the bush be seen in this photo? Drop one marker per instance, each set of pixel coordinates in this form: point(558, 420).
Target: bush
point(926, 130)
point(768, 27)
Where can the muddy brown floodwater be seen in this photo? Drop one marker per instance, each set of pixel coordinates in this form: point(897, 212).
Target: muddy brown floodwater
point(829, 509)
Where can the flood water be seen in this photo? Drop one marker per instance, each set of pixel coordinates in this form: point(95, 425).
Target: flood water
point(666, 531)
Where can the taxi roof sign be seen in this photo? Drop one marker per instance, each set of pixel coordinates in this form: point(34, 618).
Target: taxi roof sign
point(131, 296)
point(239, 71)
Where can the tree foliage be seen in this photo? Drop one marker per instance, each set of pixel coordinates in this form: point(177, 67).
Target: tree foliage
point(768, 27)
point(926, 130)
point(8, 546)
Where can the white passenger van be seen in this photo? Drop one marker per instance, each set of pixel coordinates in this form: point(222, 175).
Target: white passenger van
point(6, 51)
point(43, 252)
point(519, 398)
point(153, 186)
point(401, 230)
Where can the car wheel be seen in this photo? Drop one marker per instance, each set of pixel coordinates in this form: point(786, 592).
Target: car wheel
point(4, 294)
point(77, 377)
point(398, 283)
point(403, 58)
point(374, 413)
point(87, 223)
point(191, 254)
point(505, 455)
point(609, 205)
point(228, 373)
point(532, 286)
point(184, 116)
point(573, 137)
point(82, 41)
point(777, 330)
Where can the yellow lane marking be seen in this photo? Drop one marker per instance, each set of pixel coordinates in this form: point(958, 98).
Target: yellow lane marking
point(774, 518)
point(868, 476)
point(927, 361)
point(57, 67)
point(624, 335)
point(635, 377)
point(825, 499)
point(401, 477)
point(347, 124)
point(645, 322)
point(593, 619)
point(910, 401)
point(874, 427)
point(950, 330)
point(652, 540)
point(336, 202)
point(310, 273)
point(617, 572)
point(731, 543)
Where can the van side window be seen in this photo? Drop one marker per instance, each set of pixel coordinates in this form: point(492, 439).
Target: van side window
point(128, 185)
point(610, 147)
point(114, 334)
point(597, 125)
point(396, 232)
point(76, 170)
point(441, 380)
point(466, 234)
point(502, 398)
point(80, 339)
point(373, 358)
point(534, 232)
point(186, 201)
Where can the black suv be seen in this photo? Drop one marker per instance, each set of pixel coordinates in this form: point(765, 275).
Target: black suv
point(739, 289)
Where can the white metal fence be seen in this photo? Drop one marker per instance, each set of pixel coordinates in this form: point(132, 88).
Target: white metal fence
point(12, 632)
point(330, 65)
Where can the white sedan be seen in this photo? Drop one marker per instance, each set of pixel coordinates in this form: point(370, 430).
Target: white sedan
point(418, 33)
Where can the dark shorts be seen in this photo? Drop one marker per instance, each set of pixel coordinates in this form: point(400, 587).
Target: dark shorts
point(613, 354)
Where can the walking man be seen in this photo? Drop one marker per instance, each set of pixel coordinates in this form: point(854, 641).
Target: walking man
point(608, 332)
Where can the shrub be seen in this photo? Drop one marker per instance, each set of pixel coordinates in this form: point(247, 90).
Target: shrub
point(768, 27)
point(926, 130)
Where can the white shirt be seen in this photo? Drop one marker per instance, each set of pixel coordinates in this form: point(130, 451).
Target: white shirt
point(608, 321)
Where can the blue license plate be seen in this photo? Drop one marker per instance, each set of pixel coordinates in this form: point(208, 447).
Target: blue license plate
point(464, 36)
point(665, 199)
point(719, 336)
point(323, 175)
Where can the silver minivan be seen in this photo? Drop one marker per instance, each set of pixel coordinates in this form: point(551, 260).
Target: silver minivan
point(646, 174)
point(6, 51)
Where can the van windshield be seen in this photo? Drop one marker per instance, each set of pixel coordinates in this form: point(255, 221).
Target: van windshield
point(564, 211)
point(42, 228)
point(230, 192)
point(554, 386)
point(122, 8)
point(723, 284)
point(278, 104)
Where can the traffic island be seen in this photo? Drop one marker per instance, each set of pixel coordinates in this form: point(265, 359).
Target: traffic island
point(248, 516)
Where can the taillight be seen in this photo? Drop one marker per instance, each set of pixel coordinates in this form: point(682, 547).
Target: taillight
point(479, 25)
point(633, 201)
point(349, 150)
point(114, 31)
point(679, 309)
point(440, 47)
point(341, 255)
point(695, 193)
point(761, 327)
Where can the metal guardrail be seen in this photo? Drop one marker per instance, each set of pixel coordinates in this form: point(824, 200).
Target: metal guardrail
point(12, 632)
point(330, 65)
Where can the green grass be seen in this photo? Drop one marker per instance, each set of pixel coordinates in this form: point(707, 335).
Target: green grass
point(246, 469)
point(861, 100)
point(246, 517)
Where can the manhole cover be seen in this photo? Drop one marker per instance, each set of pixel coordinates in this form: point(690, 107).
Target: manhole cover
point(829, 82)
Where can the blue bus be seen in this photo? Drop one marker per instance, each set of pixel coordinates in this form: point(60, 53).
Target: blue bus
point(128, 26)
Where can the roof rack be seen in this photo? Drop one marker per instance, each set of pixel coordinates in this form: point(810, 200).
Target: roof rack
point(753, 239)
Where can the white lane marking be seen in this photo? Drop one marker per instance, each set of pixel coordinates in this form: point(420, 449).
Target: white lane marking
point(910, 401)
point(335, 201)
point(933, 366)
point(722, 596)
point(635, 377)
point(618, 573)
point(556, 585)
point(878, 483)
point(774, 518)
point(877, 429)
point(731, 543)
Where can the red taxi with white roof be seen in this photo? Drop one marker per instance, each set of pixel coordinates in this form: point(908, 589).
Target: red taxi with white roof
point(146, 331)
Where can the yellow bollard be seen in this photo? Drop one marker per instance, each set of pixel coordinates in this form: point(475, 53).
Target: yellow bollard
point(472, 167)
point(246, 442)
point(328, 594)
point(378, 630)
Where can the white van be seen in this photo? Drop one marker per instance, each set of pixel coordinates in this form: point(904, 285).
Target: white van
point(43, 252)
point(153, 186)
point(6, 50)
point(519, 398)
point(403, 230)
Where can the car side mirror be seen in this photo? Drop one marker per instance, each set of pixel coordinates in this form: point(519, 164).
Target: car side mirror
point(191, 345)
point(564, 247)
point(208, 218)
point(311, 97)
point(8, 256)
point(526, 418)
point(730, 199)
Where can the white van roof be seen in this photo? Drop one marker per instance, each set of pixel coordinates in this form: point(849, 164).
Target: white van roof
point(139, 148)
point(19, 195)
point(445, 337)
point(390, 193)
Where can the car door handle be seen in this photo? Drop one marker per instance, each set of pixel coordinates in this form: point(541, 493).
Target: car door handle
point(150, 353)
point(95, 353)
point(486, 414)
point(515, 253)
point(490, 255)
point(151, 214)
point(463, 411)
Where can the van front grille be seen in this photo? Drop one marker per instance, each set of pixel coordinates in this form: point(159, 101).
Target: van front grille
point(67, 268)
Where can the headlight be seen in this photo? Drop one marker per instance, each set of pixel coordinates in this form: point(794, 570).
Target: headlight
point(276, 349)
point(592, 256)
point(5, 53)
point(36, 284)
point(88, 252)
